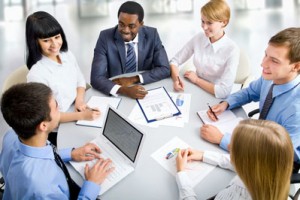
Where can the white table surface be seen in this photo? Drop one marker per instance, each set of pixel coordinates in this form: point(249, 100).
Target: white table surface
point(150, 180)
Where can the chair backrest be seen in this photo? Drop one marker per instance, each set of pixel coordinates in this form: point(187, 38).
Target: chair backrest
point(17, 76)
point(243, 71)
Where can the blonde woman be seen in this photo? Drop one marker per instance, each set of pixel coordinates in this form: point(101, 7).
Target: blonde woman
point(216, 57)
point(262, 156)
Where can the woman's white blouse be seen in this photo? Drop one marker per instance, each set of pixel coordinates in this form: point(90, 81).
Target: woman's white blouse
point(236, 190)
point(63, 79)
point(215, 62)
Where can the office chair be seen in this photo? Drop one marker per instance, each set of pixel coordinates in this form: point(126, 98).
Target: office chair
point(243, 73)
point(17, 76)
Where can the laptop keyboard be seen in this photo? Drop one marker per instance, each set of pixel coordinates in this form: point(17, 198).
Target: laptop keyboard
point(119, 169)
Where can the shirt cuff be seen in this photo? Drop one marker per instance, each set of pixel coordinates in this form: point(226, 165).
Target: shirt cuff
point(225, 141)
point(183, 179)
point(114, 90)
point(141, 78)
point(184, 186)
point(90, 190)
point(65, 154)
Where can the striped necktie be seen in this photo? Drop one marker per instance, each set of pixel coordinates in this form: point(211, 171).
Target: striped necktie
point(267, 104)
point(130, 65)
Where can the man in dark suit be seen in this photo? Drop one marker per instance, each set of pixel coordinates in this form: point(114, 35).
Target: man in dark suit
point(112, 55)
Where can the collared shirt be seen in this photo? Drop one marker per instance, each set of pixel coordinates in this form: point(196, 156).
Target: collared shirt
point(215, 62)
point(63, 79)
point(285, 109)
point(135, 41)
point(235, 191)
point(32, 173)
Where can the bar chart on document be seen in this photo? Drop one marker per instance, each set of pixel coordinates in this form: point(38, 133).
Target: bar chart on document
point(158, 105)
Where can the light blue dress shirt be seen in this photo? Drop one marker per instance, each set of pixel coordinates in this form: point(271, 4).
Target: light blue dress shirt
point(285, 109)
point(32, 173)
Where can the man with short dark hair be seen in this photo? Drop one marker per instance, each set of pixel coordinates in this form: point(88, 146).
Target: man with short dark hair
point(128, 47)
point(277, 90)
point(29, 163)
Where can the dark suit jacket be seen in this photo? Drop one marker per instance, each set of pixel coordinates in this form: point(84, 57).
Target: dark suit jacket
point(109, 58)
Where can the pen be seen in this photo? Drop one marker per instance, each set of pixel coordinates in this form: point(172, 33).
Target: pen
point(212, 111)
point(92, 109)
point(172, 153)
point(179, 81)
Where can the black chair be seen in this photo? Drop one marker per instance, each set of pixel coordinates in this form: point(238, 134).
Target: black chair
point(2, 183)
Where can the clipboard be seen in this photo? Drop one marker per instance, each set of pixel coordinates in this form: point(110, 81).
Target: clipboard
point(158, 105)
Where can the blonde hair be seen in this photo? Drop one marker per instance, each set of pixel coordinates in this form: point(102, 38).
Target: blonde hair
point(216, 10)
point(262, 154)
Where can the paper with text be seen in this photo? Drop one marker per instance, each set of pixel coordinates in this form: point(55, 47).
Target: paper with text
point(101, 103)
point(158, 105)
point(137, 116)
point(196, 170)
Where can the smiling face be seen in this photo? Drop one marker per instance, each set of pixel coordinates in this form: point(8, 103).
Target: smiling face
point(128, 26)
point(214, 30)
point(50, 47)
point(276, 65)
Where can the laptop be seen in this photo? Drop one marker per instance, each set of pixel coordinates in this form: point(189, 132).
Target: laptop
point(120, 141)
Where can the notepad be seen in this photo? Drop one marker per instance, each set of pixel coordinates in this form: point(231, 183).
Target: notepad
point(226, 123)
point(102, 104)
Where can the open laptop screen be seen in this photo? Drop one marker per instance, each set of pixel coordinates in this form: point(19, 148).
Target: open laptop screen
point(122, 134)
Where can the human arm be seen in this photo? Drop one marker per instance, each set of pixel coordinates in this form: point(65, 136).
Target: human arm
point(185, 188)
point(200, 82)
point(152, 56)
point(246, 95)
point(178, 83)
point(135, 92)
point(80, 105)
point(127, 81)
point(87, 114)
point(224, 83)
point(105, 63)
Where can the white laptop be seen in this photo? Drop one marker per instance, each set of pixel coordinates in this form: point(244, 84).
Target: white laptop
point(120, 141)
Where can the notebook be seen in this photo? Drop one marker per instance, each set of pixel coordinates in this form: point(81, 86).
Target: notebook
point(120, 141)
point(226, 123)
point(101, 103)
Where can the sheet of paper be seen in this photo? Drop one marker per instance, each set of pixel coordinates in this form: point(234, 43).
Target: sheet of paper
point(101, 103)
point(137, 116)
point(226, 123)
point(157, 105)
point(196, 170)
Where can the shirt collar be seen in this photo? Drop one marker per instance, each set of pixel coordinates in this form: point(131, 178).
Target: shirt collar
point(135, 40)
point(62, 58)
point(220, 43)
point(280, 89)
point(45, 152)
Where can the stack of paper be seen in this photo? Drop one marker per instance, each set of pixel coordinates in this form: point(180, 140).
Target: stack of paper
point(100, 103)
